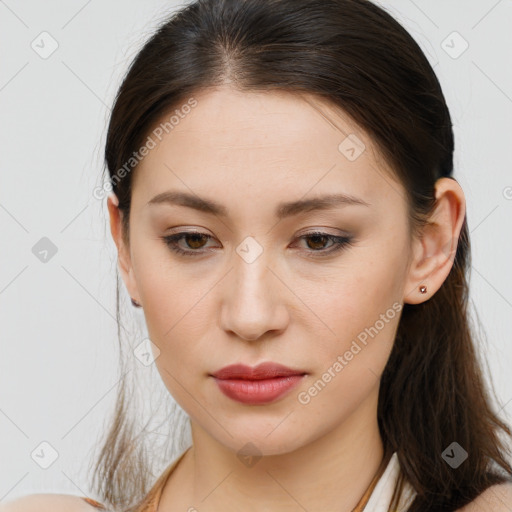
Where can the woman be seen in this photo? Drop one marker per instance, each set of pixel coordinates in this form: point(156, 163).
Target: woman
point(285, 215)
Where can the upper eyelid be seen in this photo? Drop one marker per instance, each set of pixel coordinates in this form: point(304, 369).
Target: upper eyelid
point(180, 235)
point(307, 232)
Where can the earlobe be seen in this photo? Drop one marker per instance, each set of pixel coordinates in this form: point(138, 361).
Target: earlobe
point(418, 288)
point(124, 259)
point(434, 252)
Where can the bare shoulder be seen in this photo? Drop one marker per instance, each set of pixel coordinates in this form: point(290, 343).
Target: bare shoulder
point(497, 498)
point(47, 503)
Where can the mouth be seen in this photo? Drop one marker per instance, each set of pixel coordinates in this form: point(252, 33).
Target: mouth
point(262, 384)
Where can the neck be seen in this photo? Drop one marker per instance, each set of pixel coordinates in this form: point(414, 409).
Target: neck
point(331, 472)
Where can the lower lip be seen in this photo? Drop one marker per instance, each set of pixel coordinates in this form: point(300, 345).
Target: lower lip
point(258, 391)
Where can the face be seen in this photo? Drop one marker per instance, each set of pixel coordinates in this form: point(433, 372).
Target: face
point(318, 289)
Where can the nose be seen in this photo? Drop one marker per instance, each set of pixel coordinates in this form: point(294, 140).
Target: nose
point(252, 303)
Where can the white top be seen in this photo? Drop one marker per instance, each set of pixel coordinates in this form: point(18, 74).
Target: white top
point(383, 492)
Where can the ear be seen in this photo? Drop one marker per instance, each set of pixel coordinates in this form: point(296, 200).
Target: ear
point(434, 250)
point(124, 258)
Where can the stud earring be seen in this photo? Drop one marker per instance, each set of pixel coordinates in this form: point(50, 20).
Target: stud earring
point(423, 289)
point(135, 303)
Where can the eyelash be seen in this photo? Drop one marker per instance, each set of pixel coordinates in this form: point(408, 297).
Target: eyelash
point(340, 242)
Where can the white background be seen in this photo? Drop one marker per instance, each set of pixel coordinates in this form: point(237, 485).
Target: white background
point(58, 361)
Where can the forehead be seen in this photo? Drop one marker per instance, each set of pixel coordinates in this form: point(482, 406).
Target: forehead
point(264, 143)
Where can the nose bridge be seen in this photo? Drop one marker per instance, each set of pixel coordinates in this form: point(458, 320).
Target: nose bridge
point(251, 304)
point(252, 279)
point(251, 274)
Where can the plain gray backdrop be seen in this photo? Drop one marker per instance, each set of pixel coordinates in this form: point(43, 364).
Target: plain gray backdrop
point(61, 64)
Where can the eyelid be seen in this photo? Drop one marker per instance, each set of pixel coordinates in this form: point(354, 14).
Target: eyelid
point(322, 231)
point(305, 231)
point(339, 242)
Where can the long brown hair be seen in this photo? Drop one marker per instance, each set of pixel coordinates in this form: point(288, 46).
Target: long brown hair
point(357, 56)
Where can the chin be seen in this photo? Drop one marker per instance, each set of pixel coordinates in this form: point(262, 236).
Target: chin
point(259, 439)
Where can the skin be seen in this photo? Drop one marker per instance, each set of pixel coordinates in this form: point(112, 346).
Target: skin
point(250, 151)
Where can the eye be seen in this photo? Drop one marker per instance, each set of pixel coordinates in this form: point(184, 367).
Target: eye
point(319, 238)
point(196, 240)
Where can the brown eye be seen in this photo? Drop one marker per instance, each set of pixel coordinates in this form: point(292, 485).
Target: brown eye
point(194, 241)
point(197, 240)
point(318, 241)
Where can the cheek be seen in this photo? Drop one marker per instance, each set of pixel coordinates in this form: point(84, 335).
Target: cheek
point(177, 315)
point(174, 304)
point(177, 323)
point(360, 308)
point(361, 312)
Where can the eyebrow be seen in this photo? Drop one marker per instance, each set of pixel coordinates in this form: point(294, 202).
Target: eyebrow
point(283, 210)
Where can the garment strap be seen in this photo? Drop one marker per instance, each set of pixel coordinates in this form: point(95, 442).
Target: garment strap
point(367, 494)
point(94, 503)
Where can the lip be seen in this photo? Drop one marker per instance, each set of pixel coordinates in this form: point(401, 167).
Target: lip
point(262, 371)
point(261, 384)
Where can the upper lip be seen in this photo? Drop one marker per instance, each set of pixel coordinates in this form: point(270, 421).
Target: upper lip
point(259, 372)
